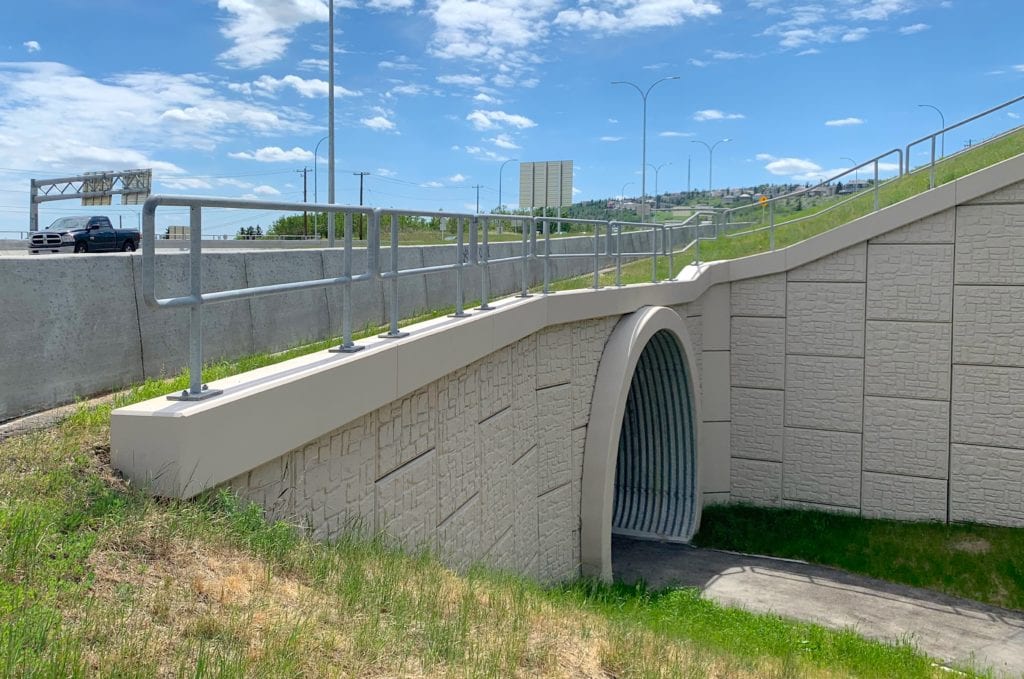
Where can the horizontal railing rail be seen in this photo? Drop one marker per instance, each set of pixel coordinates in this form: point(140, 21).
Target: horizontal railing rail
point(471, 248)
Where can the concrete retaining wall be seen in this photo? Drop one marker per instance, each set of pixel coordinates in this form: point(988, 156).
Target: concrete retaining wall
point(78, 325)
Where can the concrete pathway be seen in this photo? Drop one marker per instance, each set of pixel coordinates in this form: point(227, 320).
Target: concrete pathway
point(955, 631)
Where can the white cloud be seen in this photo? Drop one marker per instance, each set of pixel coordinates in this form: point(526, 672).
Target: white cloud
point(463, 79)
point(1019, 68)
point(880, 10)
point(486, 120)
point(378, 123)
point(265, 190)
point(31, 46)
point(410, 90)
point(497, 32)
point(309, 88)
point(622, 16)
point(914, 28)
point(402, 63)
point(855, 35)
point(485, 98)
point(697, 62)
point(673, 133)
point(656, 67)
point(613, 121)
point(274, 154)
point(723, 55)
point(315, 64)
point(504, 141)
point(385, 172)
point(790, 167)
point(185, 183)
point(610, 139)
point(389, 5)
point(431, 185)
point(844, 122)
point(764, 156)
point(457, 178)
point(484, 153)
point(808, 52)
point(715, 114)
point(261, 29)
point(1011, 114)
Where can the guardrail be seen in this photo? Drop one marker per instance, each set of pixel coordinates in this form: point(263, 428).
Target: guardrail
point(471, 250)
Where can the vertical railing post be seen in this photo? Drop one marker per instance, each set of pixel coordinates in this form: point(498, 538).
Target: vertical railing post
point(347, 345)
point(393, 331)
point(671, 253)
point(597, 256)
point(525, 259)
point(196, 389)
point(876, 184)
point(654, 254)
point(931, 171)
point(771, 225)
point(618, 254)
point(460, 238)
point(485, 265)
point(547, 256)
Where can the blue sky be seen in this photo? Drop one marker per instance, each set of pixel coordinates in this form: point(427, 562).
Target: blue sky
point(228, 97)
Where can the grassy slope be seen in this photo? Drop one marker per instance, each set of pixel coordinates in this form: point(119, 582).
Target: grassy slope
point(98, 580)
point(985, 563)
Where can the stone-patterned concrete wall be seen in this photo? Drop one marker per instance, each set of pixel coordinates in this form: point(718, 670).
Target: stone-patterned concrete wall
point(888, 378)
point(484, 464)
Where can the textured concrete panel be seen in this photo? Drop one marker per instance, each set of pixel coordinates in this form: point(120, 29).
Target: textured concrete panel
point(988, 406)
point(554, 436)
point(495, 375)
point(990, 245)
point(988, 326)
point(756, 481)
point(559, 527)
point(406, 428)
point(715, 317)
point(459, 536)
point(526, 513)
point(821, 467)
point(939, 228)
point(757, 423)
point(579, 446)
point(824, 392)
point(458, 451)
point(764, 296)
point(849, 265)
point(825, 319)
point(496, 453)
point(406, 503)
point(588, 340)
point(554, 356)
point(987, 485)
point(715, 387)
point(904, 436)
point(910, 282)
point(758, 352)
point(713, 457)
point(906, 498)
point(906, 359)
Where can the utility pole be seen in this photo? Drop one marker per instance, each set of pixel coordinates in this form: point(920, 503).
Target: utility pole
point(305, 215)
point(478, 187)
point(360, 175)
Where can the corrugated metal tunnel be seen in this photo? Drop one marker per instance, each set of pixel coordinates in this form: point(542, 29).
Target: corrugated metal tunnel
point(656, 468)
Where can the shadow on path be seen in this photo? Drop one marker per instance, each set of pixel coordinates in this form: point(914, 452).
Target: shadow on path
point(953, 630)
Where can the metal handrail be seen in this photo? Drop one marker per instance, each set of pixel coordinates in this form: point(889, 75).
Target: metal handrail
point(933, 136)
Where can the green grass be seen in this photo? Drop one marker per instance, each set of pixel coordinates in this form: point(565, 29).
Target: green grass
point(97, 579)
point(984, 563)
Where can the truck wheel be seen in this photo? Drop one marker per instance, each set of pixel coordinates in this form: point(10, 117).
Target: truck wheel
point(81, 247)
point(128, 246)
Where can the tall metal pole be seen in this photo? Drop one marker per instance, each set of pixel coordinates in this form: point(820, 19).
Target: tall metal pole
point(305, 215)
point(330, 123)
point(643, 163)
point(360, 175)
point(711, 155)
point(316, 150)
point(500, 170)
point(478, 187)
point(943, 119)
point(657, 170)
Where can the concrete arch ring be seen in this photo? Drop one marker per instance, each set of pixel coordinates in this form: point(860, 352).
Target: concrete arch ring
point(619, 361)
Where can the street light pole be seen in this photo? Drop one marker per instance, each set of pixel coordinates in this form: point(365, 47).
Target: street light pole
point(500, 170)
point(853, 163)
point(657, 169)
point(943, 119)
point(711, 155)
point(316, 183)
point(622, 194)
point(643, 163)
point(330, 124)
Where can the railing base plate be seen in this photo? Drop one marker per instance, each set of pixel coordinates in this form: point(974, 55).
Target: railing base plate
point(189, 396)
point(397, 335)
point(351, 349)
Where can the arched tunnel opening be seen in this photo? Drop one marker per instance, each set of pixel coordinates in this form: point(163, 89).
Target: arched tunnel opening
point(656, 485)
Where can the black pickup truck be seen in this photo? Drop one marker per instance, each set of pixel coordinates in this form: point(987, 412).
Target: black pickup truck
point(83, 234)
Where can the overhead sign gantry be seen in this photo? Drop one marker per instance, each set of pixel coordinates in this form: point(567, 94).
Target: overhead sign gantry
point(94, 188)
